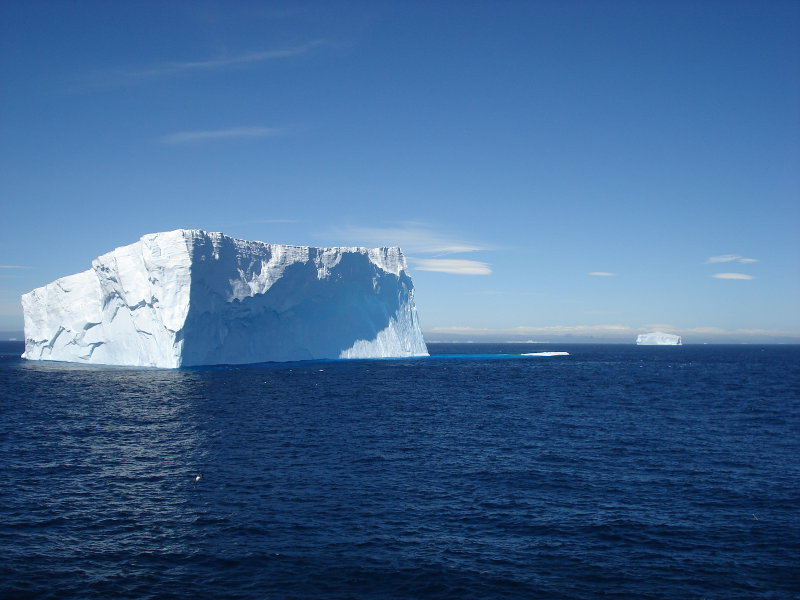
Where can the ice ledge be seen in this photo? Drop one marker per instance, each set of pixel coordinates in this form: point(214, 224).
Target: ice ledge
point(190, 297)
point(658, 338)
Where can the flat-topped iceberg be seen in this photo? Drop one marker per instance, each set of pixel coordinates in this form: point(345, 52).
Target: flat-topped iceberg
point(189, 297)
point(658, 338)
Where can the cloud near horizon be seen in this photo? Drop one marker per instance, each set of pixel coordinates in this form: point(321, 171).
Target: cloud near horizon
point(610, 331)
point(732, 276)
point(14, 267)
point(452, 265)
point(723, 258)
point(413, 238)
point(602, 274)
point(418, 238)
point(194, 137)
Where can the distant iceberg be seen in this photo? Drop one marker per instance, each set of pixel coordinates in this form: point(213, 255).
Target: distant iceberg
point(190, 297)
point(545, 354)
point(658, 338)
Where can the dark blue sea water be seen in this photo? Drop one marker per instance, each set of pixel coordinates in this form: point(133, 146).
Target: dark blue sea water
point(618, 472)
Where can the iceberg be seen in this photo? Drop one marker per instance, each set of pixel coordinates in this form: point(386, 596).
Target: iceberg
point(189, 297)
point(658, 338)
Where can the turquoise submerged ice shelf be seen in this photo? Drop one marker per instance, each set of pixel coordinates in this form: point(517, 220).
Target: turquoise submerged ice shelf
point(189, 297)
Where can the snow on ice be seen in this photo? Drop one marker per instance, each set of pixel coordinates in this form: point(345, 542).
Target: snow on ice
point(189, 297)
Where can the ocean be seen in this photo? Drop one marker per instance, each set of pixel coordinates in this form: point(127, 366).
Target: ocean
point(616, 472)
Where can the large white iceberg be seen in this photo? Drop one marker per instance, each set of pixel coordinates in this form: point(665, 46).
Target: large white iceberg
point(658, 338)
point(189, 297)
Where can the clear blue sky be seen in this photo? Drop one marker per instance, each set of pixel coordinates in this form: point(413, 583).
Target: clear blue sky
point(548, 167)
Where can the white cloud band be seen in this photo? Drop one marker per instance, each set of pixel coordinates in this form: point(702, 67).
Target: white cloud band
point(723, 258)
point(193, 137)
point(609, 331)
point(412, 238)
point(453, 266)
point(732, 276)
point(125, 77)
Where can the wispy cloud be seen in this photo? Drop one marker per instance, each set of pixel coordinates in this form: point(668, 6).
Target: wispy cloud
point(412, 238)
point(14, 267)
point(229, 61)
point(195, 137)
point(602, 274)
point(723, 258)
point(418, 238)
point(452, 265)
point(133, 76)
point(732, 276)
point(262, 221)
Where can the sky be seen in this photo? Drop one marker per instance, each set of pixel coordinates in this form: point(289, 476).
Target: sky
point(553, 170)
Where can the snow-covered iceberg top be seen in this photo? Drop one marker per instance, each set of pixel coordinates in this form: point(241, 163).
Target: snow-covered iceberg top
point(658, 338)
point(189, 297)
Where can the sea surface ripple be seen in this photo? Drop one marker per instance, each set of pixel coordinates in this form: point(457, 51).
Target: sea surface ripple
point(617, 472)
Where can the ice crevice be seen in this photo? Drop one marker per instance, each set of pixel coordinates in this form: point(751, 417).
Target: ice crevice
point(190, 297)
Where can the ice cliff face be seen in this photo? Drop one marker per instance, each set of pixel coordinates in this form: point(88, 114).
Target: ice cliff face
point(658, 338)
point(188, 297)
